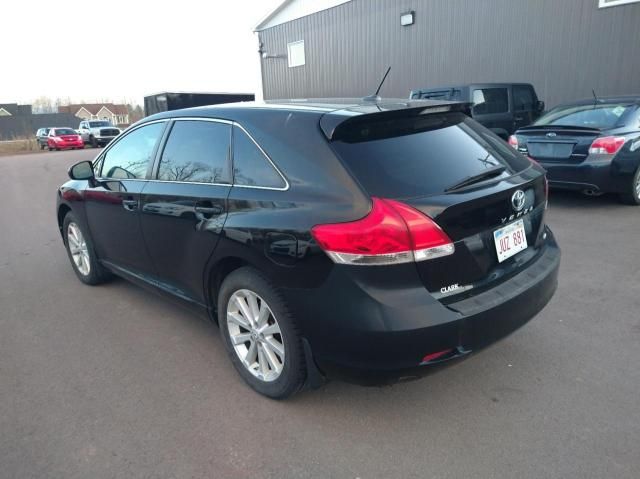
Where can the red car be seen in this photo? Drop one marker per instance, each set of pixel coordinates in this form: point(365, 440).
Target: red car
point(61, 138)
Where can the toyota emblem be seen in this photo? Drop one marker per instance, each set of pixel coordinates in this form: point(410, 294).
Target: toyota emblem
point(551, 134)
point(517, 201)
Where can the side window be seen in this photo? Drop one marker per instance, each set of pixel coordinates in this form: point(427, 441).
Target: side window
point(523, 98)
point(490, 100)
point(197, 151)
point(130, 157)
point(250, 166)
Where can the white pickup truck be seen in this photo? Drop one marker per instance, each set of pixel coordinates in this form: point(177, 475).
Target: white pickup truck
point(97, 132)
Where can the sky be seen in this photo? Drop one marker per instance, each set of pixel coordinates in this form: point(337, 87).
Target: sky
point(125, 49)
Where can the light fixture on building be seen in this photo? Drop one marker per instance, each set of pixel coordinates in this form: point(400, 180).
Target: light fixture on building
point(407, 19)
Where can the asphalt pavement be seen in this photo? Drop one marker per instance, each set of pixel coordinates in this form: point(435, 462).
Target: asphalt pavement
point(116, 382)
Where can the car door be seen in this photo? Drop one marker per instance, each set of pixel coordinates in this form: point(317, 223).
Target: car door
point(491, 108)
point(112, 202)
point(184, 206)
point(525, 105)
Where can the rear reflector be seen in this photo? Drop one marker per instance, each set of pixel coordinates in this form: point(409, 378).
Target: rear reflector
point(435, 356)
point(392, 233)
point(607, 145)
point(513, 141)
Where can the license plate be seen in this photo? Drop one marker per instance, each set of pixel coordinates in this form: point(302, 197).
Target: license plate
point(550, 150)
point(510, 240)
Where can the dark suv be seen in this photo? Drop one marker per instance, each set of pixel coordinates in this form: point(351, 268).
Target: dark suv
point(501, 107)
point(362, 240)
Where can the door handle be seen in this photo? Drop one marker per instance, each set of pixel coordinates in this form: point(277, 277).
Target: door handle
point(130, 205)
point(519, 118)
point(207, 209)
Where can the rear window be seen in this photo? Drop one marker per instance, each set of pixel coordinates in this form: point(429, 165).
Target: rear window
point(591, 116)
point(421, 156)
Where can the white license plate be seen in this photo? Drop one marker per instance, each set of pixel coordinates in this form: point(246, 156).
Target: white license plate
point(510, 240)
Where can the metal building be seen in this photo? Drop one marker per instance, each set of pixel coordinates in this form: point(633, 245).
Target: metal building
point(341, 48)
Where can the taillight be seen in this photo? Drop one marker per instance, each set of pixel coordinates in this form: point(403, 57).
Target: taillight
point(513, 141)
point(607, 145)
point(391, 233)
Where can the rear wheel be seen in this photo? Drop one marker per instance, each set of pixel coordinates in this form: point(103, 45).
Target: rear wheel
point(633, 196)
point(260, 335)
point(41, 146)
point(81, 253)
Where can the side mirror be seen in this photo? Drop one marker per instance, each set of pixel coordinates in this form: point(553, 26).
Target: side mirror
point(540, 106)
point(81, 171)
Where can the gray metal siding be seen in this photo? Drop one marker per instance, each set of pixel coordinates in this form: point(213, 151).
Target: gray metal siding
point(565, 48)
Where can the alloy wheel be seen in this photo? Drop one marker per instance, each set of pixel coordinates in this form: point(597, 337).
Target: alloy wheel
point(79, 249)
point(255, 335)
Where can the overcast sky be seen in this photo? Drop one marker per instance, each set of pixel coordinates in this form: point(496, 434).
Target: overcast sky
point(93, 50)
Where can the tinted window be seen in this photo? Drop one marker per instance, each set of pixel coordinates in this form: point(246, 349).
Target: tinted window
point(95, 124)
point(523, 97)
point(592, 116)
point(131, 155)
point(250, 166)
point(490, 100)
point(197, 151)
point(422, 156)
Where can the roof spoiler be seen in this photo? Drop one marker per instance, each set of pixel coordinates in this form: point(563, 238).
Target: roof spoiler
point(332, 123)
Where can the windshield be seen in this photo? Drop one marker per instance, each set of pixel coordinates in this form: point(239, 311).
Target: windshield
point(590, 116)
point(425, 155)
point(64, 131)
point(94, 124)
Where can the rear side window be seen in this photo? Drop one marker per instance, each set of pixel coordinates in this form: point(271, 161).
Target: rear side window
point(490, 100)
point(422, 156)
point(523, 97)
point(590, 116)
point(197, 151)
point(452, 94)
point(250, 166)
point(130, 157)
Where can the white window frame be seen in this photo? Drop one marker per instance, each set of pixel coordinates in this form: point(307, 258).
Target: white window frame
point(289, 56)
point(614, 3)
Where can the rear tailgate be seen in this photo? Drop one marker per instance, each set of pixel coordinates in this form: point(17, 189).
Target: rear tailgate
point(552, 143)
point(416, 160)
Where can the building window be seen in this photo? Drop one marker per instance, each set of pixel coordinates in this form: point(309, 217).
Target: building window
point(295, 53)
point(613, 3)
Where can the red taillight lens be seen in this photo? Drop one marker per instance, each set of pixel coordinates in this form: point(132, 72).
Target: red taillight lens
point(391, 233)
point(607, 145)
point(513, 141)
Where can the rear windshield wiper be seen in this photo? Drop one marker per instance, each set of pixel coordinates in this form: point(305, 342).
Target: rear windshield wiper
point(470, 180)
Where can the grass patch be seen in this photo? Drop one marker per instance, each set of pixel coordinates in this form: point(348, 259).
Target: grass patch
point(19, 146)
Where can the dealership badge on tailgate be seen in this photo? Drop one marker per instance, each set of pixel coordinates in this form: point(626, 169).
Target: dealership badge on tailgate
point(510, 240)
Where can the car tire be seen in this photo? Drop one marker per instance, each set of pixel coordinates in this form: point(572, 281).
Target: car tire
point(633, 196)
point(78, 245)
point(271, 341)
point(93, 142)
point(41, 146)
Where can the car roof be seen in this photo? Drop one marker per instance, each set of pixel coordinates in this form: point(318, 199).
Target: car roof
point(469, 85)
point(332, 111)
point(629, 99)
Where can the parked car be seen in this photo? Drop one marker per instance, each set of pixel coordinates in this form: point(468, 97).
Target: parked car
point(63, 139)
point(501, 107)
point(363, 240)
point(97, 132)
point(42, 136)
point(591, 146)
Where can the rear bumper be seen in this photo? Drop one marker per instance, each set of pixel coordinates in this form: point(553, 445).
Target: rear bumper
point(367, 335)
point(604, 176)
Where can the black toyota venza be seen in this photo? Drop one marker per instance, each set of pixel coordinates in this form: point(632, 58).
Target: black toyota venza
point(361, 239)
point(591, 146)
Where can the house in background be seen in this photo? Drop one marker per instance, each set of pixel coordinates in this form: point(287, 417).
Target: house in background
point(116, 114)
point(341, 48)
point(19, 121)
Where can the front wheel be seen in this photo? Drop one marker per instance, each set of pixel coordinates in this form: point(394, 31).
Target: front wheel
point(633, 196)
point(81, 253)
point(260, 335)
point(94, 142)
